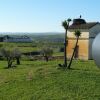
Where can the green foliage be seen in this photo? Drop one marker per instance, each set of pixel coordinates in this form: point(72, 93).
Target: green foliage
point(46, 52)
point(10, 53)
point(69, 20)
point(77, 33)
point(64, 24)
point(53, 40)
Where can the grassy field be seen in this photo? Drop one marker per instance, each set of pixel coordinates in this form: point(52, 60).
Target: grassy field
point(34, 47)
point(35, 80)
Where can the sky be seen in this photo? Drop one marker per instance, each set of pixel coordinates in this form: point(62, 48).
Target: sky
point(44, 15)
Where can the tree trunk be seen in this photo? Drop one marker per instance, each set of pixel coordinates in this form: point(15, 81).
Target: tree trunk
point(18, 61)
point(65, 50)
point(73, 54)
point(9, 63)
point(46, 58)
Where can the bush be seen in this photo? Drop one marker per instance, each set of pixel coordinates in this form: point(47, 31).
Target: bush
point(47, 53)
point(61, 49)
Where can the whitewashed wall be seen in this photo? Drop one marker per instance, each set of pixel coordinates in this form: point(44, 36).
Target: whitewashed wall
point(85, 33)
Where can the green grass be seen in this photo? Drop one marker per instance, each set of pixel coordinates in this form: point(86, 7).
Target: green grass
point(35, 80)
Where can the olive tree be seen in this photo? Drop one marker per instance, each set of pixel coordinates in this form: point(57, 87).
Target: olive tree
point(17, 55)
point(46, 52)
point(10, 55)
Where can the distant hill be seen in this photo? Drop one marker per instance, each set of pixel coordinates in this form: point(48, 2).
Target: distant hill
point(47, 36)
point(29, 33)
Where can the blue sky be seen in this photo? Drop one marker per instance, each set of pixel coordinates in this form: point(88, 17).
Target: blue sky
point(44, 15)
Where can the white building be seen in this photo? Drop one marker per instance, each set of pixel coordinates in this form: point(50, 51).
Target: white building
point(17, 39)
point(84, 48)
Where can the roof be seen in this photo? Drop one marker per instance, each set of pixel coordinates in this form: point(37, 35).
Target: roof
point(16, 37)
point(83, 26)
point(78, 21)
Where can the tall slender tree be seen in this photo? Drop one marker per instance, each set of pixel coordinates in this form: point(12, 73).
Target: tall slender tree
point(77, 33)
point(65, 24)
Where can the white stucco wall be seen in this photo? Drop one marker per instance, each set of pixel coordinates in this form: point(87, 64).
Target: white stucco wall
point(85, 33)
